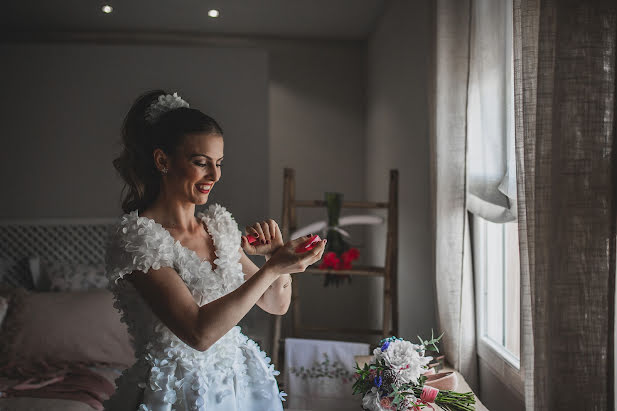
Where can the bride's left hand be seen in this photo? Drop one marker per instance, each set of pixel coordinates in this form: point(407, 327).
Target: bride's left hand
point(269, 238)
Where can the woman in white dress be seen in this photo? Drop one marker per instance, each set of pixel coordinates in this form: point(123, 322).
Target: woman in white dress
point(181, 281)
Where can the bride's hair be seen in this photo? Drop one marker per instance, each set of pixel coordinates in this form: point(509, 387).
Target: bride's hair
point(140, 138)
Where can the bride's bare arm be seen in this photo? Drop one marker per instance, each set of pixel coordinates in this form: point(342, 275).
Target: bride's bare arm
point(277, 297)
point(199, 327)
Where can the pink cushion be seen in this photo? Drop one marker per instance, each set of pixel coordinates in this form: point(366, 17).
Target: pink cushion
point(71, 326)
point(444, 381)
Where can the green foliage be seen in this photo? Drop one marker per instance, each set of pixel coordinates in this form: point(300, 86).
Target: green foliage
point(451, 400)
point(363, 384)
point(432, 342)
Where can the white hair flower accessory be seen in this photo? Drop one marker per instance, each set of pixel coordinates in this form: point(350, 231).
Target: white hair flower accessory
point(164, 104)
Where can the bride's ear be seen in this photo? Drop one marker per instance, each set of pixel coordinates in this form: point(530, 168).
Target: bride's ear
point(161, 161)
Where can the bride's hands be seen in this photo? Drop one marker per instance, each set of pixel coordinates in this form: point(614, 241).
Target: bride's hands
point(268, 235)
point(285, 260)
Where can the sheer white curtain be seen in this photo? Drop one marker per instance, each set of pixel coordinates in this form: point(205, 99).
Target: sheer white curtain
point(472, 154)
point(453, 276)
point(491, 167)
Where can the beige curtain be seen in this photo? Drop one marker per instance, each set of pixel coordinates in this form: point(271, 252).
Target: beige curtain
point(564, 57)
point(454, 279)
point(491, 166)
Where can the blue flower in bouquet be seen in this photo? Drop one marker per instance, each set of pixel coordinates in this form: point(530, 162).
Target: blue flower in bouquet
point(385, 343)
point(378, 381)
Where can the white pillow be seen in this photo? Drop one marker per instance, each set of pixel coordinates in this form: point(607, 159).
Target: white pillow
point(34, 264)
point(66, 276)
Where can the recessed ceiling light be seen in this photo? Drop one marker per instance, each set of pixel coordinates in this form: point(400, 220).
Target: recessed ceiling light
point(213, 13)
point(107, 9)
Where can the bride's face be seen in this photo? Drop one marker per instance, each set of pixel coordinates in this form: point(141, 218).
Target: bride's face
point(196, 167)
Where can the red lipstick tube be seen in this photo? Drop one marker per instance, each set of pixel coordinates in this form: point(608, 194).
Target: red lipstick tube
point(309, 245)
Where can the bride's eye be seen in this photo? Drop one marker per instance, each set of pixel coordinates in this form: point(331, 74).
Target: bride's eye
point(205, 164)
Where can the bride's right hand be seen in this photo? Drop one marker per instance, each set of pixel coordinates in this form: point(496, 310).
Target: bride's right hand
point(285, 260)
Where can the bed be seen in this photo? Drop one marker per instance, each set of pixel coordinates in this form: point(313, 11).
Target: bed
point(62, 343)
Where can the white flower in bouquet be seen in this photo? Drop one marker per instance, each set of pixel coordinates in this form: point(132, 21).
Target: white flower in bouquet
point(404, 357)
point(371, 401)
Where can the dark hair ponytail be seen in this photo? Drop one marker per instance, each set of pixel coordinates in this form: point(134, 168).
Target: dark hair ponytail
point(140, 138)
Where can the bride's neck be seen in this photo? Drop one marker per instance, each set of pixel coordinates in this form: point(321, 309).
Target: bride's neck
point(172, 214)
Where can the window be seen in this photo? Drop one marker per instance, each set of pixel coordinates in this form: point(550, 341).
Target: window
point(497, 277)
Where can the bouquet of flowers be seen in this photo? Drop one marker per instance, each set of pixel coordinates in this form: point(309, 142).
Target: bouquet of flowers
point(394, 380)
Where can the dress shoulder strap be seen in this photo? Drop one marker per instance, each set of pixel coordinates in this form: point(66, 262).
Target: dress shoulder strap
point(138, 243)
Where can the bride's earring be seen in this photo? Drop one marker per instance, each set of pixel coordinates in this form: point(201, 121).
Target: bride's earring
point(164, 171)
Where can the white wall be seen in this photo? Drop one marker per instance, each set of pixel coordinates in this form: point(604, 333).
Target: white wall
point(398, 137)
point(64, 109)
point(64, 106)
point(317, 127)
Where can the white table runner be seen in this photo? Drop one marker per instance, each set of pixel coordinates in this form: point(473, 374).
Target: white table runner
point(319, 374)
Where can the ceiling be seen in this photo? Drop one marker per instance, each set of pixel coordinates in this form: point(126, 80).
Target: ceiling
point(326, 19)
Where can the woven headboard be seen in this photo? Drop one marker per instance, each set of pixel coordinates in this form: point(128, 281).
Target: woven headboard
point(68, 240)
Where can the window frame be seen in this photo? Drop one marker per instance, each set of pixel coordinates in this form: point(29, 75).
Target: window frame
point(501, 362)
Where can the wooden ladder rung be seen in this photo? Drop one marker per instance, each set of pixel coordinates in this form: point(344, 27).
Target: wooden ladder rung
point(341, 330)
point(388, 272)
point(367, 270)
point(344, 204)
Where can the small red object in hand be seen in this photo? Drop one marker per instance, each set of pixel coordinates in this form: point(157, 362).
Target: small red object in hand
point(251, 238)
point(309, 245)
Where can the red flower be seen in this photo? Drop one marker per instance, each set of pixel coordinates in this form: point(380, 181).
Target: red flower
point(347, 257)
point(330, 260)
point(345, 265)
point(386, 403)
point(372, 374)
point(353, 254)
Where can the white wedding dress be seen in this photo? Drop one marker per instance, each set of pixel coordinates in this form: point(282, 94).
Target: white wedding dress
point(233, 374)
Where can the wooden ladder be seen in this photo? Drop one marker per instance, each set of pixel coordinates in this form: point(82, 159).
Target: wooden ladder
point(388, 271)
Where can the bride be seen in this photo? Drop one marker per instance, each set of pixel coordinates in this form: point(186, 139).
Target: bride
point(181, 281)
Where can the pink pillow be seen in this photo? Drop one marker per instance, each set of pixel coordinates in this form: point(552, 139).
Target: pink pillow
point(70, 326)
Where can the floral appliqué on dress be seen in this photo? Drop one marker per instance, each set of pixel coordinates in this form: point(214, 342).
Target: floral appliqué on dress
point(234, 373)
